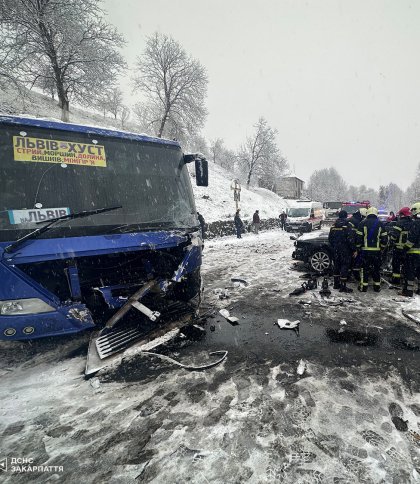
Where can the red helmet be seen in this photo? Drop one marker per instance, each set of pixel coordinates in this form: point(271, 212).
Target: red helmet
point(404, 212)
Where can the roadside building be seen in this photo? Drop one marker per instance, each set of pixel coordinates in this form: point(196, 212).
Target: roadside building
point(290, 187)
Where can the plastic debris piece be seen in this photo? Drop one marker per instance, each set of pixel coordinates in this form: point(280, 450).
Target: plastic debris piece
point(301, 368)
point(343, 322)
point(231, 319)
point(412, 315)
point(95, 383)
point(222, 293)
point(224, 313)
point(286, 324)
point(240, 280)
point(306, 303)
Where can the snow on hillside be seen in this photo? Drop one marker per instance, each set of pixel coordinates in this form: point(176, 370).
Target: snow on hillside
point(215, 202)
point(40, 106)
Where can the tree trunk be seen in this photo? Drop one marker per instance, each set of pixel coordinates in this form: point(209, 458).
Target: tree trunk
point(63, 100)
point(248, 181)
point(162, 124)
point(65, 113)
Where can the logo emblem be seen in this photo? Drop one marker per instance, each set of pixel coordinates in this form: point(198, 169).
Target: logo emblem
point(3, 464)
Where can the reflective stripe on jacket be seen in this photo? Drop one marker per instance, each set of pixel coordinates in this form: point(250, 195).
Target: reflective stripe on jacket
point(371, 235)
point(413, 238)
point(399, 232)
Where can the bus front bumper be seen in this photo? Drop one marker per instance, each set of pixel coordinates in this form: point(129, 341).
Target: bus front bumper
point(67, 320)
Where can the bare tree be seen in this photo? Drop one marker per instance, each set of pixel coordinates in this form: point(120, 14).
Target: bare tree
point(327, 185)
point(216, 149)
point(197, 144)
point(413, 191)
point(111, 101)
point(124, 115)
point(174, 85)
point(62, 43)
point(260, 155)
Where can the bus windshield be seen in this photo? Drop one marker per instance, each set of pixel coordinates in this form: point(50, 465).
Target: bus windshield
point(299, 212)
point(48, 173)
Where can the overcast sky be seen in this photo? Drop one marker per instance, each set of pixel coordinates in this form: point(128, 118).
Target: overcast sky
point(340, 80)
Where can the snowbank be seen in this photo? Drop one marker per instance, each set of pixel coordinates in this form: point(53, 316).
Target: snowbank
point(215, 202)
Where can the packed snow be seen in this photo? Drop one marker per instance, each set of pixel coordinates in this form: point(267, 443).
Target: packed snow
point(273, 411)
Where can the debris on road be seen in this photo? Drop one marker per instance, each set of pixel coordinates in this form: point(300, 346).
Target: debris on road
point(190, 367)
point(412, 315)
point(231, 319)
point(305, 302)
point(299, 290)
point(286, 324)
point(343, 322)
point(242, 282)
point(95, 383)
point(306, 286)
point(222, 293)
point(301, 368)
point(325, 292)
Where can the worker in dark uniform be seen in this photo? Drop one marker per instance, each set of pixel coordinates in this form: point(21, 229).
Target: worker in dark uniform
point(397, 238)
point(371, 241)
point(202, 223)
point(412, 261)
point(354, 222)
point(342, 242)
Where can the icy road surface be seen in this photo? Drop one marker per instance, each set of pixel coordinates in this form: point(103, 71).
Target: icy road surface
point(351, 415)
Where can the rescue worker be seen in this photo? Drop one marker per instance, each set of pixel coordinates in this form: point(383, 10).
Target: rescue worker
point(397, 238)
point(355, 220)
point(202, 224)
point(283, 218)
point(341, 240)
point(412, 260)
point(354, 223)
point(239, 225)
point(371, 241)
point(256, 221)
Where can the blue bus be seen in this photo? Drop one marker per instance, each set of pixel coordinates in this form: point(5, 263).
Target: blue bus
point(92, 219)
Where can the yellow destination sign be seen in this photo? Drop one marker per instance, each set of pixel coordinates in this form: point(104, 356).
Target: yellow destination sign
point(40, 150)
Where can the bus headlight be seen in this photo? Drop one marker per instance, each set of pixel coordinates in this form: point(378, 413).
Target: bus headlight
point(17, 307)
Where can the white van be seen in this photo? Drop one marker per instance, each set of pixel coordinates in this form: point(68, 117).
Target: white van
point(304, 216)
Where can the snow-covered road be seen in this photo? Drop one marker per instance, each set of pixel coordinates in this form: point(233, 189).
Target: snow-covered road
point(352, 416)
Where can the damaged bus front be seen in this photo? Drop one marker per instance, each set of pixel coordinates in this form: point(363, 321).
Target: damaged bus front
point(93, 221)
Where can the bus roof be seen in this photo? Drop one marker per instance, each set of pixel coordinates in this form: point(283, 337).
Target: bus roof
point(79, 128)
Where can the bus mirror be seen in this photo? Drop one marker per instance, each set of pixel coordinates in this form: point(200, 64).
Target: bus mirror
point(201, 168)
point(201, 172)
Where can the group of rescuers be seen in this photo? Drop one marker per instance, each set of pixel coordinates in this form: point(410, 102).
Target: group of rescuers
point(360, 242)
